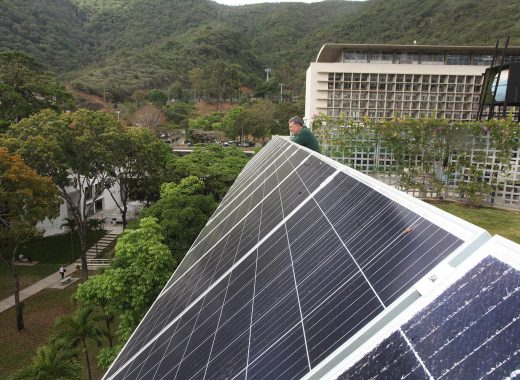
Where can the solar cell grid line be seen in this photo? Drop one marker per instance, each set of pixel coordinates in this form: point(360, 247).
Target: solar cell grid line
point(159, 334)
point(215, 232)
point(261, 162)
point(267, 178)
point(179, 346)
point(367, 280)
point(397, 226)
point(391, 285)
point(184, 293)
point(287, 176)
point(329, 287)
point(279, 164)
point(229, 346)
point(229, 202)
point(172, 305)
point(248, 183)
point(467, 328)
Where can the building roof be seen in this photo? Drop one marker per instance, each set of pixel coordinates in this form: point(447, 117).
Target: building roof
point(330, 52)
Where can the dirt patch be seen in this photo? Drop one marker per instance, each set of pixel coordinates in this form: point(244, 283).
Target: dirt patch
point(203, 108)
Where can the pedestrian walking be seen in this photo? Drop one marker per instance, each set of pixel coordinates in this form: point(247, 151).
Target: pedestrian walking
point(62, 271)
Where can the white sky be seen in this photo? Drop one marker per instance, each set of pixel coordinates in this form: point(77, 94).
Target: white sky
point(244, 2)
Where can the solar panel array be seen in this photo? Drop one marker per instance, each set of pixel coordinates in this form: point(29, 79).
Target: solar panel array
point(471, 330)
point(301, 257)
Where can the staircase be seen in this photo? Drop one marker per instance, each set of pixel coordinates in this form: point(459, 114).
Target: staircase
point(99, 247)
point(101, 244)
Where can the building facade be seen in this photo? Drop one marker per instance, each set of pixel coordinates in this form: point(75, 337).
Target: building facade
point(388, 81)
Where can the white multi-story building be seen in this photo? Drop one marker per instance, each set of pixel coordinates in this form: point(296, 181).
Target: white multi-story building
point(387, 81)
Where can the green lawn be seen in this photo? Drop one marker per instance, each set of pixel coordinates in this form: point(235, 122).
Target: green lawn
point(495, 221)
point(50, 252)
point(41, 310)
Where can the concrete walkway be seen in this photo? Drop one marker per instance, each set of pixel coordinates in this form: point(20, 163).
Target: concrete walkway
point(52, 281)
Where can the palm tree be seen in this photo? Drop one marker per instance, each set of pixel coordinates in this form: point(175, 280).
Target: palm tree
point(55, 361)
point(78, 330)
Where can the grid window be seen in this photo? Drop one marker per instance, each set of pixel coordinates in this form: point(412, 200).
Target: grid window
point(458, 59)
point(355, 56)
point(381, 57)
point(483, 59)
point(407, 57)
point(432, 58)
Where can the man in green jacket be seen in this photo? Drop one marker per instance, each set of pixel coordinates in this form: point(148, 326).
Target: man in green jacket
point(302, 135)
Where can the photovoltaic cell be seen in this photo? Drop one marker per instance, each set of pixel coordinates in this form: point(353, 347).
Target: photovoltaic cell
point(301, 256)
point(471, 331)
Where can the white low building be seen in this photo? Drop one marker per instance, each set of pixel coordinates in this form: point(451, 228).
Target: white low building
point(95, 206)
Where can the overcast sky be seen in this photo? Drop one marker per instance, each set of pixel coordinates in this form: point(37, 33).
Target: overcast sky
point(244, 2)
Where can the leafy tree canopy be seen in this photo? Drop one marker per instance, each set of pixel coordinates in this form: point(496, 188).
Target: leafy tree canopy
point(26, 89)
point(142, 265)
point(218, 168)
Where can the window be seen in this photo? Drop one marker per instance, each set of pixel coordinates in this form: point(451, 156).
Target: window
point(407, 57)
point(458, 59)
point(483, 59)
point(432, 58)
point(355, 56)
point(381, 57)
point(511, 58)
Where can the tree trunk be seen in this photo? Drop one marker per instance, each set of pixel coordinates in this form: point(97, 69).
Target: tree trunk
point(123, 216)
point(19, 306)
point(108, 321)
point(82, 232)
point(87, 359)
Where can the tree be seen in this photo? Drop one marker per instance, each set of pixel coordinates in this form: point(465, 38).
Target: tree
point(284, 111)
point(196, 77)
point(261, 117)
point(178, 113)
point(26, 89)
point(235, 123)
point(148, 116)
point(25, 199)
point(157, 97)
point(77, 330)
point(182, 212)
point(138, 164)
point(74, 149)
point(142, 265)
point(218, 168)
point(55, 361)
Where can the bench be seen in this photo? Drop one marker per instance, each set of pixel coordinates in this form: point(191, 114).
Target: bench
point(65, 280)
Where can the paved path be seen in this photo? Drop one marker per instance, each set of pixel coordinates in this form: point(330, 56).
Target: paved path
point(52, 281)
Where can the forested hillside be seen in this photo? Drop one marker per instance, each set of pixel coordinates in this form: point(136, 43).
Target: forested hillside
point(113, 48)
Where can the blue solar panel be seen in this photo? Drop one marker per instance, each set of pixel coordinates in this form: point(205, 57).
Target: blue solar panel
point(301, 258)
point(470, 331)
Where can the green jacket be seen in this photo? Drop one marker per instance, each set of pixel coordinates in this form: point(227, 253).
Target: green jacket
point(307, 139)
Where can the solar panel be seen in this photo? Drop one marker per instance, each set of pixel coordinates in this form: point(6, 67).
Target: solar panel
point(302, 257)
point(468, 329)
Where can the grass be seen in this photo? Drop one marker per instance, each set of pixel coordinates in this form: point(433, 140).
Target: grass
point(50, 252)
point(495, 221)
point(18, 348)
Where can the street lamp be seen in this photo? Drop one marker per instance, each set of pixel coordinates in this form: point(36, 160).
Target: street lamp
point(267, 71)
point(118, 112)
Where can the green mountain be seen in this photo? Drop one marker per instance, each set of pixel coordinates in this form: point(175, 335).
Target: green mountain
point(114, 47)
